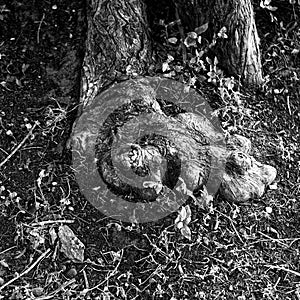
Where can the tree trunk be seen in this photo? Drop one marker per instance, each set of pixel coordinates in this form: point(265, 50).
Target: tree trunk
point(117, 44)
point(239, 54)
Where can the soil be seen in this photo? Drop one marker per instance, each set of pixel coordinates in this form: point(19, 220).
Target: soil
point(247, 251)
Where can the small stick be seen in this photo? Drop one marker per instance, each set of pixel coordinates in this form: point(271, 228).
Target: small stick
point(4, 151)
point(283, 269)
point(232, 224)
point(52, 294)
point(19, 146)
point(39, 29)
point(42, 223)
point(6, 250)
point(111, 274)
point(272, 239)
point(288, 104)
point(26, 271)
point(86, 281)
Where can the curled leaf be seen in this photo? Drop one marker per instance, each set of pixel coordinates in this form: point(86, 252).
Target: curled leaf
point(266, 4)
point(193, 35)
point(165, 67)
point(170, 58)
point(183, 213)
point(177, 220)
point(222, 33)
point(204, 200)
point(186, 232)
point(191, 39)
point(209, 61)
point(188, 215)
point(172, 40)
point(180, 225)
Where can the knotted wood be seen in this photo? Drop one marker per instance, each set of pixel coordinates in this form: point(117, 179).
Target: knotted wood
point(118, 47)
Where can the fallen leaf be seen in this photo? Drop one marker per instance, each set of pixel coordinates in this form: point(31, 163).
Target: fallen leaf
point(172, 40)
point(165, 67)
point(186, 232)
point(201, 29)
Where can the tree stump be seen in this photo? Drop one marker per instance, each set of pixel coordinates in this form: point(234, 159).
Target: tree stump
point(118, 48)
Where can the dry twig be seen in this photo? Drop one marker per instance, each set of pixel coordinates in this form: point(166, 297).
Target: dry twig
point(52, 294)
point(19, 146)
point(25, 271)
point(111, 274)
point(50, 222)
point(39, 29)
point(283, 269)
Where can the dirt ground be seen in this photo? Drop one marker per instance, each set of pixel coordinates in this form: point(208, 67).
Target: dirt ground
point(246, 251)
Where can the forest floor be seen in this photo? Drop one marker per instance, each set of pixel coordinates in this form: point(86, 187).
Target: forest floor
point(245, 251)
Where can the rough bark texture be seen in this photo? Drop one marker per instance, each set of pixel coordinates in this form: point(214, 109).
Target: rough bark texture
point(117, 44)
point(239, 54)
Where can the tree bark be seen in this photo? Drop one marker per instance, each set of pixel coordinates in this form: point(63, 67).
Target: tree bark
point(239, 54)
point(117, 44)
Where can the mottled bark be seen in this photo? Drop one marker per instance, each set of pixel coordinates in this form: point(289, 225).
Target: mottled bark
point(117, 44)
point(239, 54)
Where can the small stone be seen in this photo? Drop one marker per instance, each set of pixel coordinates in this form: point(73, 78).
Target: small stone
point(179, 225)
point(54, 7)
point(1, 281)
point(28, 126)
point(63, 268)
point(269, 209)
point(71, 246)
point(71, 273)
point(273, 186)
point(38, 291)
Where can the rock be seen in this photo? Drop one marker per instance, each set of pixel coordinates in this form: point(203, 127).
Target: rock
point(70, 245)
point(38, 291)
point(71, 273)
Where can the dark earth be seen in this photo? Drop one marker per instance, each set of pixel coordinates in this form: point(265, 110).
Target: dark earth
point(244, 251)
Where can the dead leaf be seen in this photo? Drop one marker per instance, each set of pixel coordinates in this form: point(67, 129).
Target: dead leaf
point(186, 232)
point(172, 40)
point(165, 67)
point(201, 29)
point(193, 35)
point(190, 42)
